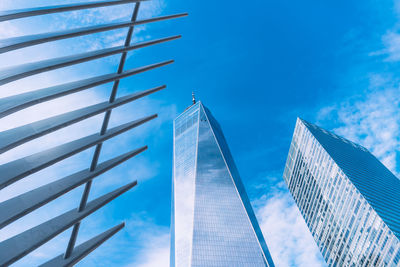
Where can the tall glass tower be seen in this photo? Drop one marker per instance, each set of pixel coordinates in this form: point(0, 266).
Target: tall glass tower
point(213, 223)
point(349, 199)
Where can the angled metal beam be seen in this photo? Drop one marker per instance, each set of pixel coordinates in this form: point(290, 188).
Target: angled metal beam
point(18, 72)
point(18, 246)
point(104, 126)
point(14, 208)
point(36, 11)
point(20, 168)
point(11, 104)
point(11, 44)
point(83, 249)
point(19, 135)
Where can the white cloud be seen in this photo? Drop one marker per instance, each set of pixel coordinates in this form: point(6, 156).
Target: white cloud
point(285, 231)
point(391, 50)
point(156, 253)
point(150, 9)
point(371, 120)
point(391, 40)
point(7, 29)
point(154, 240)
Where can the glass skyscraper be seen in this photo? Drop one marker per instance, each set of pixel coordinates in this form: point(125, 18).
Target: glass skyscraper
point(213, 223)
point(348, 198)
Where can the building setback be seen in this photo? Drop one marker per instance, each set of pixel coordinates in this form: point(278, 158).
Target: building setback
point(213, 223)
point(348, 198)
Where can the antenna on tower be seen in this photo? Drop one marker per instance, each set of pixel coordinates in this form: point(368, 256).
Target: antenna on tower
point(193, 98)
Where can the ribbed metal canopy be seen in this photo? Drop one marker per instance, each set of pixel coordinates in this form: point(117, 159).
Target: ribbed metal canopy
point(16, 247)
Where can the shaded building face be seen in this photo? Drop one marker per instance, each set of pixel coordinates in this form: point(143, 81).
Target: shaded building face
point(349, 200)
point(213, 223)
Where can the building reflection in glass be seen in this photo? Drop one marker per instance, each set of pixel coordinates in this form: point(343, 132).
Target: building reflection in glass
point(213, 223)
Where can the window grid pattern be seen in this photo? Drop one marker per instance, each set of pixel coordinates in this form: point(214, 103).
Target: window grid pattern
point(347, 229)
point(222, 234)
point(185, 146)
point(212, 214)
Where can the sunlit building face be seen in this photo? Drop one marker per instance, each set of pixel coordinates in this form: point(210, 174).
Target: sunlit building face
point(349, 200)
point(213, 223)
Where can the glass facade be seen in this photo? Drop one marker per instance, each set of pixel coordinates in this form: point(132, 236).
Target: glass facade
point(349, 200)
point(213, 223)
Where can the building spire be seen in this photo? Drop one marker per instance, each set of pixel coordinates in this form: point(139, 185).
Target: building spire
point(193, 98)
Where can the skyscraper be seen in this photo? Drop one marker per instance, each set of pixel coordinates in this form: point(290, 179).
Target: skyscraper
point(213, 223)
point(348, 198)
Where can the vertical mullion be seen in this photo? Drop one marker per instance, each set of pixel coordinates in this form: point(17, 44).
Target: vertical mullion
point(104, 126)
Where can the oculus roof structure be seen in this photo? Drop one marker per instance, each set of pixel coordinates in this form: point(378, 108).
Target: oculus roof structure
point(16, 247)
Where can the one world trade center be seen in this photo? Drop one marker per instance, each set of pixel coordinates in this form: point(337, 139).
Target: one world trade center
point(213, 223)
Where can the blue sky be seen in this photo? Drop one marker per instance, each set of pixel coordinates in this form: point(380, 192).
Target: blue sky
point(256, 66)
